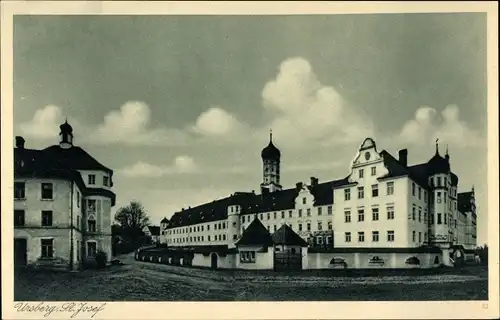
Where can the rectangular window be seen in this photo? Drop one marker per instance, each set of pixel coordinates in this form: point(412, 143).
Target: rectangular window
point(330, 227)
point(390, 213)
point(445, 181)
point(274, 228)
point(347, 215)
point(268, 216)
point(419, 193)
point(300, 226)
point(91, 249)
point(431, 218)
point(361, 215)
point(78, 199)
point(425, 217)
point(47, 191)
point(247, 257)
point(304, 200)
point(347, 237)
point(18, 218)
point(224, 237)
point(47, 248)
point(361, 192)
point(361, 173)
point(91, 225)
point(390, 236)
point(445, 218)
point(330, 210)
point(274, 215)
point(347, 194)
point(208, 237)
point(419, 214)
point(374, 171)
point(300, 213)
point(78, 222)
point(420, 237)
point(438, 183)
point(413, 188)
point(375, 190)
point(308, 227)
point(320, 211)
point(413, 236)
point(308, 212)
point(105, 181)
point(439, 218)
point(320, 226)
point(290, 214)
point(375, 236)
point(46, 218)
point(444, 197)
point(425, 196)
point(91, 179)
point(390, 188)
point(282, 214)
point(208, 227)
point(375, 214)
point(361, 236)
point(19, 190)
point(413, 213)
point(242, 219)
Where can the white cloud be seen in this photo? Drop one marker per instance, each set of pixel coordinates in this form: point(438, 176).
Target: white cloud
point(216, 121)
point(306, 110)
point(428, 124)
point(131, 125)
point(181, 164)
point(44, 124)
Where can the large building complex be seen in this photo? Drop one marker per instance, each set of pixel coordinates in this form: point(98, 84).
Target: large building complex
point(62, 205)
point(384, 209)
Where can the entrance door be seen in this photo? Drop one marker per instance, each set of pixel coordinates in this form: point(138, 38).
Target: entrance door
point(288, 260)
point(20, 252)
point(214, 260)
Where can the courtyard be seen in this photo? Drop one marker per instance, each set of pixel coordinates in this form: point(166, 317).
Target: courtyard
point(143, 281)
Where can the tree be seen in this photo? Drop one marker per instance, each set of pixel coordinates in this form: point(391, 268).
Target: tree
point(132, 219)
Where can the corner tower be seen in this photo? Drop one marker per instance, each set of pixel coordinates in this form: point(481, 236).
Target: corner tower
point(271, 157)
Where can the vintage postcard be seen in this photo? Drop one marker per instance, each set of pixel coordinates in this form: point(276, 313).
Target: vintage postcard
point(291, 160)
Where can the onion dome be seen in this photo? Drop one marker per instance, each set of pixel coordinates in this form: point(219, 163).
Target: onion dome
point(438, 164)
point(164, 220)
point(66, 127)
point(271, 152)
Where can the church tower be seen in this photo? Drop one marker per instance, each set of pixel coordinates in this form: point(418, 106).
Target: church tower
point(66, 135)
point(271, 167)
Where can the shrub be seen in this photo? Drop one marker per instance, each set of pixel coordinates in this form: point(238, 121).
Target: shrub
point(101, 258)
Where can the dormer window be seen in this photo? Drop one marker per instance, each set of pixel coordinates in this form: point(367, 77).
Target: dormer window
point(91, 178)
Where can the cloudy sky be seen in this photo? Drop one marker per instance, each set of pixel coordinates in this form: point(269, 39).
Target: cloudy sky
point(181, 106)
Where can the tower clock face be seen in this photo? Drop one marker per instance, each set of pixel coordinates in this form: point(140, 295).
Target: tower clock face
point(367, 155)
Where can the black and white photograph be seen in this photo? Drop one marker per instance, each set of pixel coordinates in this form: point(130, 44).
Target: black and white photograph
point(209, 157)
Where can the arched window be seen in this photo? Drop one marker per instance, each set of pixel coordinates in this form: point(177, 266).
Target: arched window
point(413, 261)
point(91, 223)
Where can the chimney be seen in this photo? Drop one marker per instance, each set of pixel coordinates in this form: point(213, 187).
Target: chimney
point(299, 185)
point(314, 181)
point(20, 142)
point(403, 157)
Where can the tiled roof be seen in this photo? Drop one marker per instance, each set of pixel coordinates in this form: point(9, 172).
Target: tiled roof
point(253, 203)
point(286, 236)
point(256, 234)
point(464, 201)
point(155, 230)
point(74, 158)
point(419, 173)
point(52, 164)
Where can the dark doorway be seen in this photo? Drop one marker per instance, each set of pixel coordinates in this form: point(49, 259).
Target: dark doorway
point(20, 252)
point(287, 259)
point(214, 260)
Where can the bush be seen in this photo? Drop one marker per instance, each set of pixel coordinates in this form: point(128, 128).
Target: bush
point(101, 259)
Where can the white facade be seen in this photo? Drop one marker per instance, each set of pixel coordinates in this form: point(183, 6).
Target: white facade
point(373, 208)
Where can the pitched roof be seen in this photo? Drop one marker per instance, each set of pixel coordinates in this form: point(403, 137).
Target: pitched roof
point(155, 230)
point(253, 203)
point(255, 234)
point(286, 236)
point(51, 163)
